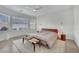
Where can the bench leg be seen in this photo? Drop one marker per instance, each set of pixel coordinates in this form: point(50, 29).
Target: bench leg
point(23, 40)
point(33, 46)
point(39, 43)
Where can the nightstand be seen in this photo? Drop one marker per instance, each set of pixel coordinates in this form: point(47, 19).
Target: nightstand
point(63, 37)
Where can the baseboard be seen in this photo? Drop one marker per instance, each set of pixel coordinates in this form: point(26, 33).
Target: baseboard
point(77, 43)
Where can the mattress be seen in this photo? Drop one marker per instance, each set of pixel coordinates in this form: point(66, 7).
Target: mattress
point(47, 38)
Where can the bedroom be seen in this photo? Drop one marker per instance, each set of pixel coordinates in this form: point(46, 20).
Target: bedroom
point(18, 21)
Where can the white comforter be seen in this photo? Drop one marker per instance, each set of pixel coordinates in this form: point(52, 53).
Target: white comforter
point(48, 37)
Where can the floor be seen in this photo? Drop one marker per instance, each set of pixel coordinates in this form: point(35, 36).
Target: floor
point(71, 47)
point(16, 46)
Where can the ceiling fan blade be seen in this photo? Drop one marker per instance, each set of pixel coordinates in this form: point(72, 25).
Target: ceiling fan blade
point(38, 8)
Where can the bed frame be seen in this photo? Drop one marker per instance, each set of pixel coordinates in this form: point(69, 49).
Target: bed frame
point(52, 30)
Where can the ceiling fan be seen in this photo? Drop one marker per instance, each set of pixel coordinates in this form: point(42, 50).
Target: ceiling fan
point(35, 8)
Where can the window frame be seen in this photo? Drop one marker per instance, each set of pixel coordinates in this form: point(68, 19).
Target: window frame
point(7, 20)
point(22, 19)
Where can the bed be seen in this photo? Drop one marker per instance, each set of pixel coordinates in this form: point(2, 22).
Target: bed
point(48, 37)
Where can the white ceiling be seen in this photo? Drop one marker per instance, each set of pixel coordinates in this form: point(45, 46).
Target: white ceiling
point(37, 10)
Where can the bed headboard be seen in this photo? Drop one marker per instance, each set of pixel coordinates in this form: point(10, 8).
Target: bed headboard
point(52, 30)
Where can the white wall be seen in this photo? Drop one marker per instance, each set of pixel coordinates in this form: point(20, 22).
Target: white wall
point(53, 20)
point(76, 21)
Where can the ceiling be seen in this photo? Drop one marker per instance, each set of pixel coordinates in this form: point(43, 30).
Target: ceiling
point(37, 10)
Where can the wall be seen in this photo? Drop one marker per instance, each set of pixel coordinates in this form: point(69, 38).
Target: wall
point(53, 20)
point(76, 21)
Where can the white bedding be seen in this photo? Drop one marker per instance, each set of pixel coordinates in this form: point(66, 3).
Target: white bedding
point(48, 37)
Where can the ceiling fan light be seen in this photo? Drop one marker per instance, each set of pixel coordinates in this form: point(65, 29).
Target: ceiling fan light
point(34, 10)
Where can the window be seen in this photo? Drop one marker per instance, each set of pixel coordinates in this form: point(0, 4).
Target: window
point(19, 23)
point(16, 23)
point(32, 23)
point(4, 22)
